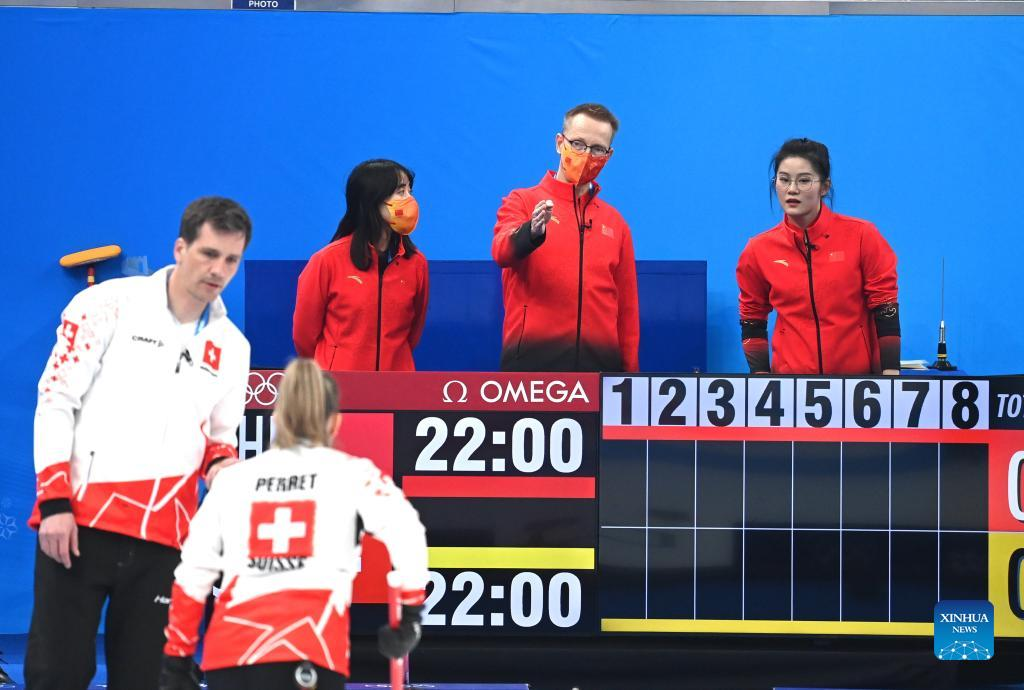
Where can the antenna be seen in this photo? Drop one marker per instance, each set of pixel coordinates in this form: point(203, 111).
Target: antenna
point(942, 362)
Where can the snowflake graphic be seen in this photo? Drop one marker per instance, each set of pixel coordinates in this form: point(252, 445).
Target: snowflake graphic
point(8, 526)
point(964, 651)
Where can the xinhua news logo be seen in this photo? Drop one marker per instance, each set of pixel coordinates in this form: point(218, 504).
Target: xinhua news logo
point(964, 631)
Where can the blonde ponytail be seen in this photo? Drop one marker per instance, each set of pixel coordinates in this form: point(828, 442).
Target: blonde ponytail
point(306, 400)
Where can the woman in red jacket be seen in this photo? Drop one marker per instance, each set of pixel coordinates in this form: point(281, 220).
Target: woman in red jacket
point(831, 280)
point(362, 299)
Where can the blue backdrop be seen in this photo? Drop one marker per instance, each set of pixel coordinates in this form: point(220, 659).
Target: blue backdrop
point(113, 120)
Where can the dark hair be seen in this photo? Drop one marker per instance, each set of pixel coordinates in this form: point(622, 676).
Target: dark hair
point(308, 398)
point(814, 152)
point(370, 184)
point(223, 215)
point(595, 111)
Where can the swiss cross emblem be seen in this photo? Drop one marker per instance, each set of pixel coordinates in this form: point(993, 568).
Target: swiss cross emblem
point(69, 330)
point(211, 355)
point(279, 530)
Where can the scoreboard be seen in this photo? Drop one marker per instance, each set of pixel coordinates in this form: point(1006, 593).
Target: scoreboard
point(503, 471)
point(808, 505)
point(582, 504)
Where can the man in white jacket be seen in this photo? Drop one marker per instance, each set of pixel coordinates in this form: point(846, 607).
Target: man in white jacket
point(141, 396)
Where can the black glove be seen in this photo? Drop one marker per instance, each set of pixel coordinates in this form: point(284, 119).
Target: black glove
point(179, 673)
point(395, 643)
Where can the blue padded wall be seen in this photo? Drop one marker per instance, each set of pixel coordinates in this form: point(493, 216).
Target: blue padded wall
point(463, 327)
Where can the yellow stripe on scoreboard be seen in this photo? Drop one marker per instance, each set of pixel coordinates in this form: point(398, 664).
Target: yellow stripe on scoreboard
point(668, 625)
point(472, 557)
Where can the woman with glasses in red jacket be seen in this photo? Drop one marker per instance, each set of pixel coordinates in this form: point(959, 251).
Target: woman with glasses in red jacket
point(362, 300)
point(830, 278)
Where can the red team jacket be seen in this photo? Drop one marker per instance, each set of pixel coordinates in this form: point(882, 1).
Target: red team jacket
point(283, 528)
point(572, 287)
point(132, 407)
point(854, 271)
point(350, 320)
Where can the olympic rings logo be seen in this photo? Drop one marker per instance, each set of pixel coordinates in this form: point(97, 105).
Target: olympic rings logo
point(262, 390)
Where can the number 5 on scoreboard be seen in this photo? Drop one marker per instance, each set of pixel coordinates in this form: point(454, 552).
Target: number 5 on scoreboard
point(819, 403)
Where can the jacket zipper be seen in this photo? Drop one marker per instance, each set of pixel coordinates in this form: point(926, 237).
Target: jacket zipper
point(380, 297)
point(581, 217)
point(522, 332)
point(814, 307)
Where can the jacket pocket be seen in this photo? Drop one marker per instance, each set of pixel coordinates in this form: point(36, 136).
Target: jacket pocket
point(867, 345)
point(85, 476)
point(866, 359)
point(522, 332)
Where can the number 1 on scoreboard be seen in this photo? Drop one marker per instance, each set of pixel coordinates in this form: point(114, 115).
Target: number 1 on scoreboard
point(625, 401)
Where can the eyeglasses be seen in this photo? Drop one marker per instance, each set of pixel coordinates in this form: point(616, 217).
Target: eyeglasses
point(580, 146)
point(803, 182)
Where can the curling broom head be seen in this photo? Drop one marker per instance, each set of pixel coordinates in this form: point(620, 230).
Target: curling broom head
point(90, 256)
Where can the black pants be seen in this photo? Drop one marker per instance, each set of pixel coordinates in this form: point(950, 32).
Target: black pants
point(136, 577)
point(276, 676)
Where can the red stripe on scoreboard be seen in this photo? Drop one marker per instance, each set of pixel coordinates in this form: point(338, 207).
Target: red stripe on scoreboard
point(499, 487)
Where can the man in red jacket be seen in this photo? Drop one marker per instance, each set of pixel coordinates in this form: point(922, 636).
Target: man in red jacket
point(569, 276)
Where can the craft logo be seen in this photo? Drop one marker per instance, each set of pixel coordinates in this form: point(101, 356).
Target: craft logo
point(964, 630)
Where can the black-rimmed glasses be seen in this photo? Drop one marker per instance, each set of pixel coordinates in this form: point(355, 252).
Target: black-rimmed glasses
point(580, 146)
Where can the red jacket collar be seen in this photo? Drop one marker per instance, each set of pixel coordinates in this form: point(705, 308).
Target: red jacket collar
point(563, 190)
point(400, 252)
point(816, 230)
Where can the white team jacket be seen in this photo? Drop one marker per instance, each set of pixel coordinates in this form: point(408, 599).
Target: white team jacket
point(132, 408)
point(282, 528)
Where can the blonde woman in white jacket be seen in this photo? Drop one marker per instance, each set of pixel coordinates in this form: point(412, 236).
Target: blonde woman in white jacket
point(282, 528)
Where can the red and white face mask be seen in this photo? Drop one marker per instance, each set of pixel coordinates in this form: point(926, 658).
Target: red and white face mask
point(580, 167)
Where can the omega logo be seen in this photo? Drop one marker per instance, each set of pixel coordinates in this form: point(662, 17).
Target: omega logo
point(455, 385)
point(492, 391)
